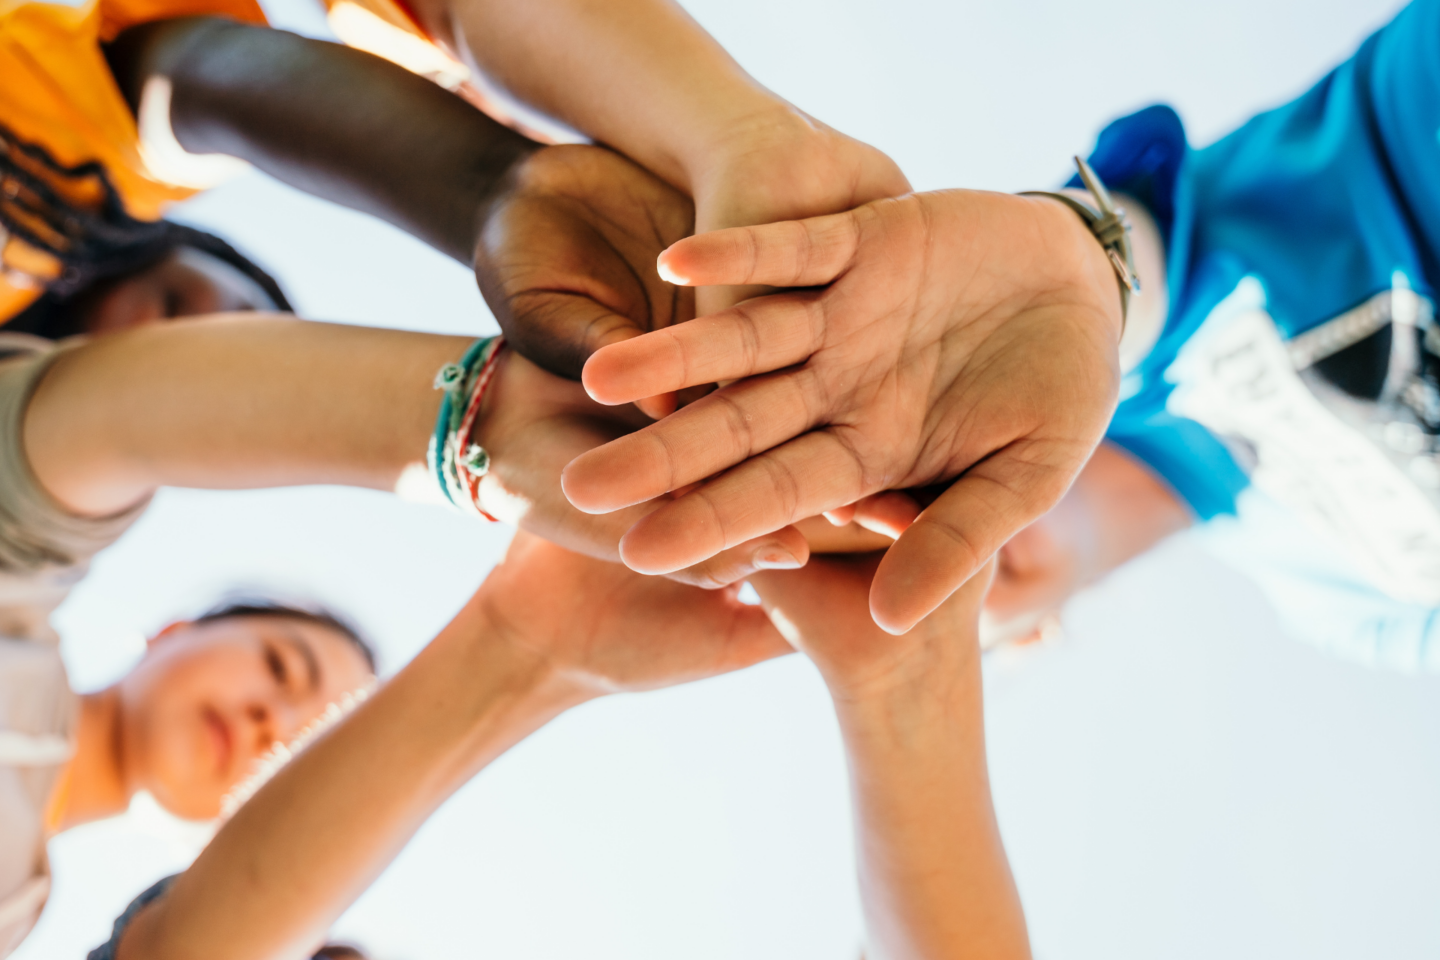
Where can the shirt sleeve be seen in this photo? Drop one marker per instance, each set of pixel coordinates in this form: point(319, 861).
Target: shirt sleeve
point(1398, 72)
point(44, 550)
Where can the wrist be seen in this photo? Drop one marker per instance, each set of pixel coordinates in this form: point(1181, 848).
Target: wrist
point(497, 691)
point(1090, 265)
point(747, 129)
point(910, 692)
point(543, 686)
point(909, 713)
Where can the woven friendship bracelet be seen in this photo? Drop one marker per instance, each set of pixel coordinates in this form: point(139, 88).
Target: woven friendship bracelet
point(456, 462)
point(1110, 227)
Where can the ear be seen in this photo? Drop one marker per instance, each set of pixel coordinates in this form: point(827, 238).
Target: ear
point(169, 630)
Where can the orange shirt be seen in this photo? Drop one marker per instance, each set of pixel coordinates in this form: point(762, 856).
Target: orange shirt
point(58, 92)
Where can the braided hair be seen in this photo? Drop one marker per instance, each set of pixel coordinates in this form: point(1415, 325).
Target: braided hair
point(75, 215)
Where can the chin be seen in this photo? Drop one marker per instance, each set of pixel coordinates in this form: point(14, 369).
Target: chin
point(184, 783)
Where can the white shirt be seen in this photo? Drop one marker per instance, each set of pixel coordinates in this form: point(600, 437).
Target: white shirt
point(44, 552)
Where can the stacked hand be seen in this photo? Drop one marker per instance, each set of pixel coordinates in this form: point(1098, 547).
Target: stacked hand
point(566, 254)
point(821, 611)
point(960, 341)
point(947, 335)
point(534, 422)
point(599, 628)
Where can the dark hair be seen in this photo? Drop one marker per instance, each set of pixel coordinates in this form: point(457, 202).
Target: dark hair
point(339, 951)
point(93, 242)
point(263, 607)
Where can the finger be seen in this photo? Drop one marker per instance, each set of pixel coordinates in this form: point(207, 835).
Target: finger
point(714, 433)
point(754, 337)
point(890, 513)
point(954, 536)
point(800, 479)
point(785, 549)
point(825, 537)
point(793, 253)
point(753, 639)
point(560, 331)
point(841, 516)
point(657, 407)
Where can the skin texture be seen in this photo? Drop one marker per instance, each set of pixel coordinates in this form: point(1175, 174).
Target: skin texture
point(104, 428)
point(547, 631)
point(206, 702)
point(563, 240)
point(934, 879)
point(642, 77)
point(958, 337)
point(335, 122)
point(567, 255)
point(550, 630)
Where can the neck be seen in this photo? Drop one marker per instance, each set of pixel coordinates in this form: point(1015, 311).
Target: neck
point(96, 786)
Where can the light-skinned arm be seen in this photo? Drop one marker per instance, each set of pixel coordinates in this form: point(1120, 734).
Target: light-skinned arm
point(641, 76)
point(247, 401)
point(934, 879)
point(547, 631)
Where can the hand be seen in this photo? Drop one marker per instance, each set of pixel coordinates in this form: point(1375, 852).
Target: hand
point(532, 423)
point(961, 334)
point(821, 611)
point(566, 255)
point(605, 629)
point(783, 165)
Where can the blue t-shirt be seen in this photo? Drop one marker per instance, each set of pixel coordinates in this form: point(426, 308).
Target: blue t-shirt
point(1315, 217)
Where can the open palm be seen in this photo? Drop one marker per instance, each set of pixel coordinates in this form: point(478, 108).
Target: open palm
point(959, 336)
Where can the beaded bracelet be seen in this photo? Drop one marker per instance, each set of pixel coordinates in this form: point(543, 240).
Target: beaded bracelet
point(456, 462)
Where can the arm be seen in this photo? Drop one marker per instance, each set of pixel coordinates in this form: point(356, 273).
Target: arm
point(232, 403)
point(329, 120)
point(259, 401)
point(563, 240)
point(547, 631)
point(642, 77)
point(934, 879)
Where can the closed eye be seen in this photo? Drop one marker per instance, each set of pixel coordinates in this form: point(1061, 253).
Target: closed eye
point(276, 663)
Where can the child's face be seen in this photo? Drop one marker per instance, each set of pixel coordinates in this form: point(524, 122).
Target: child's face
point(210, 699)
point(186, 283)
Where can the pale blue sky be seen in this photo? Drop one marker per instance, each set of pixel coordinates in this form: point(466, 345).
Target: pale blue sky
point(1174, 778)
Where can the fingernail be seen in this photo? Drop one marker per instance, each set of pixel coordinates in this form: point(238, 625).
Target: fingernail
point(670, 275)
point(775, 557)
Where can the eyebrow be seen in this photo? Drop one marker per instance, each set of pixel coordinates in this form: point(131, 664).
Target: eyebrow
point(302, 646)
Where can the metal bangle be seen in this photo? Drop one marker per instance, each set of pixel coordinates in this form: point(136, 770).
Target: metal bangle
point(1109, 225)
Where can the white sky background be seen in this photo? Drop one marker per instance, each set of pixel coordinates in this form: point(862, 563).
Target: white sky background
point(1174, 779)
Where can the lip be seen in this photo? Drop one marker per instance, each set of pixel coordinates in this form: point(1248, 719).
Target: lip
point(221, 740)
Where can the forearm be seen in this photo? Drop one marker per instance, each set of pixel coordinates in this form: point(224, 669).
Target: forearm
point(934, 878)
point(233, 403)
point(316, 836)
point(329, 120)
point(638, 75)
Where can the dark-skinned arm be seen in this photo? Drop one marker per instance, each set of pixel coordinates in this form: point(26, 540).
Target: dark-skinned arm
point(563, 240)
point(332, 121)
